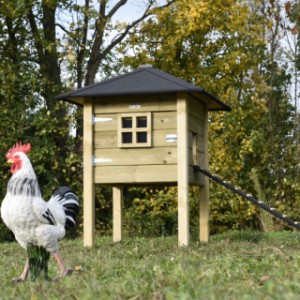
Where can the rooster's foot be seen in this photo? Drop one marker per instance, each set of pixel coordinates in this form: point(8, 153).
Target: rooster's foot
point(24, 274)
point(18, 279)
point(64, 273)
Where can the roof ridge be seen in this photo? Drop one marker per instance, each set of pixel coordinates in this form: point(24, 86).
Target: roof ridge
point(175, 79)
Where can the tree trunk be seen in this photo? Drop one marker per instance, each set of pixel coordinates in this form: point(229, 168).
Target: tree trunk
point(49, 63)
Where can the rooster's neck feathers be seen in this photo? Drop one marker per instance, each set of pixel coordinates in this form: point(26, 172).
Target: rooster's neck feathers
point(24, 181)
point(20, 186)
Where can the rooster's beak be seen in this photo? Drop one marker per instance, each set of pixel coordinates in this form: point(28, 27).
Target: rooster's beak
point(10, 161)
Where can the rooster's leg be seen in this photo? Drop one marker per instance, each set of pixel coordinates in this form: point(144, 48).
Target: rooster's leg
point(64, 270)
point(24, 274)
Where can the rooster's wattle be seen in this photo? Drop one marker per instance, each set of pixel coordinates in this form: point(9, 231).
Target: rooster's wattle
point(36, 224)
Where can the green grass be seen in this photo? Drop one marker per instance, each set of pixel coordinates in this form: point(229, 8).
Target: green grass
point(237, 265)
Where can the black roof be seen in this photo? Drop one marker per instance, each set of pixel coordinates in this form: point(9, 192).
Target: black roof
point(144, 80)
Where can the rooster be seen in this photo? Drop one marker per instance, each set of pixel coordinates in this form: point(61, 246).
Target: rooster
point(36, 224)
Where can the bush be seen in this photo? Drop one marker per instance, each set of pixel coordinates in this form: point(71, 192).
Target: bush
point(151, 211)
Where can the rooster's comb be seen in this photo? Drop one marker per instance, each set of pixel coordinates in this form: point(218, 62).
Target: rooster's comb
point(18, 147)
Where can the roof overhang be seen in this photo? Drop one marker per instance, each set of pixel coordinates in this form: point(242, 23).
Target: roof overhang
point(141, 82)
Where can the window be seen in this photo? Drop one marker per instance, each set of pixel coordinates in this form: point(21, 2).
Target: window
point(134, 130)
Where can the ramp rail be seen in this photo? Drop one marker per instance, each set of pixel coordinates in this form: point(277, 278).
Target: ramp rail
point(248, 197)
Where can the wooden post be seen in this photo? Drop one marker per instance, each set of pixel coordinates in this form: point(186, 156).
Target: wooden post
point(117, 213)
point(182, 170)
point(204, 193)
point(88, 176)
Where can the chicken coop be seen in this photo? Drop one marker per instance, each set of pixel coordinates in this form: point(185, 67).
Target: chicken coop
point(145, 127)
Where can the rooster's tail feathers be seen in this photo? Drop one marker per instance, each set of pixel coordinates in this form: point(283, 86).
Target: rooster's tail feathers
point(70, 203)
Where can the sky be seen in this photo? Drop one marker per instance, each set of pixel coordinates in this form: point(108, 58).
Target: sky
point(132, 9)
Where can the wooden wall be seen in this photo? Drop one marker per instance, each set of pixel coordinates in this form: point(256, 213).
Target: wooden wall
point(197, 118)
point(156, 164)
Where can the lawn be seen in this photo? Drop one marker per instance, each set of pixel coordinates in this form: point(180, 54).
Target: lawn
point(236, 265)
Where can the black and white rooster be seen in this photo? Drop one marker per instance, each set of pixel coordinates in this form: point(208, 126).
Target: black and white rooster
point(36, 224)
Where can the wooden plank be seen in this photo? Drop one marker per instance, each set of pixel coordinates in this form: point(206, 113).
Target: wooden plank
point(117, 213)
point(160, 120)
point(165, 120)
point(136, 104)
point(136, 156)
point(182, 170)
point(161, 138)
point(106, 122)
point(105, 140)
point(201, 145)
point(204, 193)
point(88, 178)
point(154, 174)
point(196, 125)
point(196, 107)
point(108, 139)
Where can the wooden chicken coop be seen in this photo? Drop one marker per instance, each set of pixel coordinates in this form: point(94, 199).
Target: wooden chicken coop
point(145, 127)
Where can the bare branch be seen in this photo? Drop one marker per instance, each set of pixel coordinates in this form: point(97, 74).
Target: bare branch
point(36, 36)
point(82, 47)
point(97, 56)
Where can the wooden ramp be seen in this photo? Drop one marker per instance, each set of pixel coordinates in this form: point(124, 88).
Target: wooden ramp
point(249, 197)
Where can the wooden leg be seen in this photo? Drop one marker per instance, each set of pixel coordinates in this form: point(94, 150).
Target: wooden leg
point(183, 170)
point(89, 216)
point(117, 213)
point(183, 215)
point(204, 193)
point(204, 214)
point(88, 176)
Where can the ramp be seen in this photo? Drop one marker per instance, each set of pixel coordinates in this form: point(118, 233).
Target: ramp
point(249, 197)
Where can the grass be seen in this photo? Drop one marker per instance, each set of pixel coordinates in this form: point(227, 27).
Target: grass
point(236, 265)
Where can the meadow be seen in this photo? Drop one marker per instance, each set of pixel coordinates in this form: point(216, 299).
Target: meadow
point(235, 265)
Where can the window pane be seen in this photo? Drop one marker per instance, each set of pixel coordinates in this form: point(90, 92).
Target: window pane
point(141, 137)
point(126, 137)
point(141, 122)
point(127, 122)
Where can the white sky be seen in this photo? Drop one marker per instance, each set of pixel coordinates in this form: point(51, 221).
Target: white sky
point(129, 11)
point(132, 9)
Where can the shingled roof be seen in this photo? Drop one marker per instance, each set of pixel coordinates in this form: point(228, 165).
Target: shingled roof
point(144, 80)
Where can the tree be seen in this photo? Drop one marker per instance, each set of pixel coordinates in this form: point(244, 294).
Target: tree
point(290, 21)
point(48, 46)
